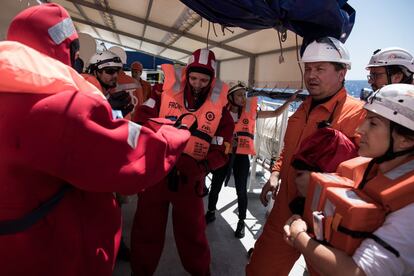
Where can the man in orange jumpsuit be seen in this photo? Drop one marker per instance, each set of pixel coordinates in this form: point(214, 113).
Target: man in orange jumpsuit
point(63, 155)
point(194, 91)
point(326, 61)
point(136, 72)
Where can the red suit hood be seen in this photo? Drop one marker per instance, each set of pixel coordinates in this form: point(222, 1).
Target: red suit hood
point(46, 28)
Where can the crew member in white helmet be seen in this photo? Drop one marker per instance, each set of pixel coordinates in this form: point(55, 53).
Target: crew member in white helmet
point(390, 65)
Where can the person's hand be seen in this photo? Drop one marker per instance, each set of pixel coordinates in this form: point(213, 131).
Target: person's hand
point(121, 101)
point(293, 227)
point(270, 186)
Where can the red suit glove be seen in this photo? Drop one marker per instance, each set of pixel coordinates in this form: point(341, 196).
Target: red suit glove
point(121, 101)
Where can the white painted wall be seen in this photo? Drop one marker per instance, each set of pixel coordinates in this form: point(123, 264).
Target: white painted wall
point(269, 72)
point(234, 70)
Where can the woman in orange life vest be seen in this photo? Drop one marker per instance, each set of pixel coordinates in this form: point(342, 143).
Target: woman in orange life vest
point(244, 113)
point(387, 136)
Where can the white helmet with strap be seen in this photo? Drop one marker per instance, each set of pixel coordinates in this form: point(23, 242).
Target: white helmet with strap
point(235, 87)
point(394, 102)
point(327, 49)
point(393, 56)
point(105, 59)
point(120, 52)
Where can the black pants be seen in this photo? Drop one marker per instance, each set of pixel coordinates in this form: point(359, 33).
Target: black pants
point(241, 168)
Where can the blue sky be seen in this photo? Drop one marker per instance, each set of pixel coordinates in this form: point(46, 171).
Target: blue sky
point(379, 24)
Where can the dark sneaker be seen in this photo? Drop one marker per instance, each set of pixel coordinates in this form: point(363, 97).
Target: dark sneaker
point(210, 216)
point(239, 233)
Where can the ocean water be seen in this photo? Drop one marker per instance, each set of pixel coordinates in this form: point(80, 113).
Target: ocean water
point(354, 86)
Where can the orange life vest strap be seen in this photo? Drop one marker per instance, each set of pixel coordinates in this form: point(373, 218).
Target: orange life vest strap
point(245, 133)
point(365, 235)
point(202, 135)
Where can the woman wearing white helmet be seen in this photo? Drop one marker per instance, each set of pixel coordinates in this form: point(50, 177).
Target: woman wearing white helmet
point(386, 183)
point(390, 65)
point(244, 113)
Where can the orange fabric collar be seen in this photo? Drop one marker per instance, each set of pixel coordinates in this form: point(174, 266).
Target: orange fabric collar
point(25, 70)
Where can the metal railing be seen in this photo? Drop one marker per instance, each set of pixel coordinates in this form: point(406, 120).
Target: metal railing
point(268, 142)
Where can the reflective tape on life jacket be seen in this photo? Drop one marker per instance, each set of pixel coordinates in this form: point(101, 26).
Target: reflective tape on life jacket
point(394, 189)
point(245, 127)
point(316, 195)
point(353, 210)
point(208, 115)
point(352, 214)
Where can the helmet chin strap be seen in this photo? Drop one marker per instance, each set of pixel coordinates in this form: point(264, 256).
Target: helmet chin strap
point(390, 153)
point(388, 75)
point(231, 100)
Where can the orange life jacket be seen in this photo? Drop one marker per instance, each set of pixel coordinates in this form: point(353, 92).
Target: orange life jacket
point(245, 126)
point(351, 214)
point(208, 115)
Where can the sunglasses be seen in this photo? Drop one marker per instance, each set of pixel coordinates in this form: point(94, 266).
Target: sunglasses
point(111, 71)
point(374, 76)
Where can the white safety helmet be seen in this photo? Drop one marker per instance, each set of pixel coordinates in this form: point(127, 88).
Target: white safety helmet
point(104, 59)
point(327, 49)
point(236, 86)
point(392, 56)
point(120, 52)
point(394, 102)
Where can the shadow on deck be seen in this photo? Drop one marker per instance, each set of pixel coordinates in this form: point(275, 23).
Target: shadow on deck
point(229, 254)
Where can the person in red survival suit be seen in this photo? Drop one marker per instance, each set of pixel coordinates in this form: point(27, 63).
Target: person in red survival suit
point(195, 90)
point(63, 155)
